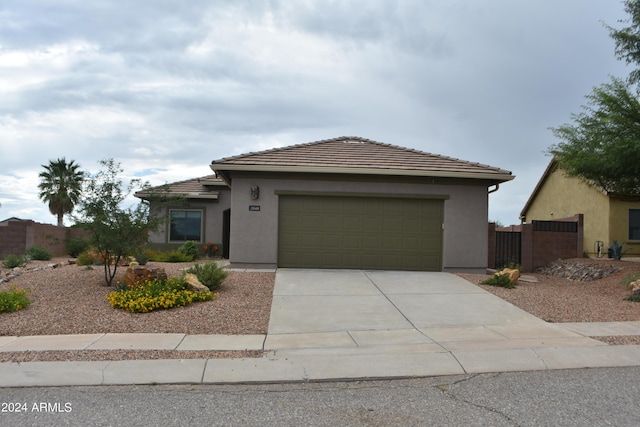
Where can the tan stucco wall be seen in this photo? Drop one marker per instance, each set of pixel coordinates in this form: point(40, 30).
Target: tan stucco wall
point(619, 225)
point(254, 235)
point(561, 196)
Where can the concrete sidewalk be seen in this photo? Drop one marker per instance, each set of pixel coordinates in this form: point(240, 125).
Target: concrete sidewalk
point(336, 325)
point(315, 361)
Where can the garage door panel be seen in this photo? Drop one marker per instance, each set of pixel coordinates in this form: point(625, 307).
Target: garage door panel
point(360, 232)
point(351, 242)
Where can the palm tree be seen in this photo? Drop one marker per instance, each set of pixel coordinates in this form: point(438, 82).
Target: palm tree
point(61, 186)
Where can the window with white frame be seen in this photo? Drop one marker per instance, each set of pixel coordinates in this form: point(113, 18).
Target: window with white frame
point(185, 224)
point(634, 224)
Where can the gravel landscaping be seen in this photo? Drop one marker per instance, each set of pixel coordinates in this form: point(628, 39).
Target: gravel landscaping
point(71, 300)
point(558, 299)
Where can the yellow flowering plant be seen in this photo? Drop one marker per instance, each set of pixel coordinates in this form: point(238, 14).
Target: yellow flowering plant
point(13, 299)
point(156, 294)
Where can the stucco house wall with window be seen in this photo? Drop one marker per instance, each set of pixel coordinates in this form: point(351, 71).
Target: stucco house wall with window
point(607, 217)
point(255, 233)
point(194, 212)
point(346, 202)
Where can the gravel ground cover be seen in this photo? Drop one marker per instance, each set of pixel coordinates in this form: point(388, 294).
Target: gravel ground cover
point(558, 299)
point(71, 300)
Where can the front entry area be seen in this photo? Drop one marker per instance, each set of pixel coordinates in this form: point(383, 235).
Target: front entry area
point(360, 232)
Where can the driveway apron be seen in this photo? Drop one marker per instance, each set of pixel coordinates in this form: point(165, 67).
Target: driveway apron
point(322, 301)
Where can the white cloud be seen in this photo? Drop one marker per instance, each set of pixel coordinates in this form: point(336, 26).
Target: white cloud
point(165, 87)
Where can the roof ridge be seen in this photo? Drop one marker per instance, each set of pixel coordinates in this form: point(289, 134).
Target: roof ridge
point(304, 144)
point(361, 155)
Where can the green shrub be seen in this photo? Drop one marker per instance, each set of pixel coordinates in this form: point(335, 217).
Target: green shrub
point(630, 278)
point(13, 300)
point(76, 246)
point(153, 255)
point(633, 297)
point(38, 253)
point(141, 256)
point(177, 256)
point(210, 274)
point(499, 280)
point(87, 258)
point(13, 261)
point(190, 250)
point(156, 295)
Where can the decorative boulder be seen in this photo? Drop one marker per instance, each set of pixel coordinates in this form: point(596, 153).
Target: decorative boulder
point(511, 273)
point(193, 284)
point(139, 273)
point(635, 287)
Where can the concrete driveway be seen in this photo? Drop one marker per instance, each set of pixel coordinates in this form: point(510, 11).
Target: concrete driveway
point(346, 308)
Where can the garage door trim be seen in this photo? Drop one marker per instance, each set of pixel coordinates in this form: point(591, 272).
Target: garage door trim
point(348, 194)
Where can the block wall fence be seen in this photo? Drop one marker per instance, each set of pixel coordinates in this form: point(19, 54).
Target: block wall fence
point(538, 245)
point(17, 236)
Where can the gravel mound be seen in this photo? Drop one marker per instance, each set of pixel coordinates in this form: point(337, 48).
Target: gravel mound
point(579, 271)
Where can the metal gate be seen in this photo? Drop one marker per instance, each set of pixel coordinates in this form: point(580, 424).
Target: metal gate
point(508, 248)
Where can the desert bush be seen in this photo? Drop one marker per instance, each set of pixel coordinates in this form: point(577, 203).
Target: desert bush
point(13, 300)
point(38, 253)
point(76, 246)
point(190, 250)
point(13, 261)
point(171, 256)
point(87, 258)
point(156, 294)
point(630, 278)
point(177, 256)
point(210, 274)
point(499, 280)
point(141, 256)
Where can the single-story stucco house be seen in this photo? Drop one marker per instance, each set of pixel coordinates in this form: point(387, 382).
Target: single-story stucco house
point(607, 216)
point(347, 202)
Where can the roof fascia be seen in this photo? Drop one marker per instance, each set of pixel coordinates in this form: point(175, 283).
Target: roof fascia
point(146, 196)
point(545, 175)
point(221, 170)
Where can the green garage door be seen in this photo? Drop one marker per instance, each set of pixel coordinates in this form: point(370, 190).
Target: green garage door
point(360, 232)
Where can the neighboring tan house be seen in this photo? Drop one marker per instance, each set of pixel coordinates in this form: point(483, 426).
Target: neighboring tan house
point(347, 202)
point(607, 217)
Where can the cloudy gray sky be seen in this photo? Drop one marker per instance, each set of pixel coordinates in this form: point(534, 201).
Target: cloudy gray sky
point(165, 87)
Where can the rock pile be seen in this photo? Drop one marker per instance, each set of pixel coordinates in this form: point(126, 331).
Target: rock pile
point(8, 274)
point(578, 271)
point(138, 273)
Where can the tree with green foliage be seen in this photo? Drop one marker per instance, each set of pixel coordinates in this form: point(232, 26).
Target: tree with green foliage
point(627, 39)
point(61, 187)
point(602, 145)
point(115, 231)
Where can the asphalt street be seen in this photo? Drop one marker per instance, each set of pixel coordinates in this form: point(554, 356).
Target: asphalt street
point(594, 397)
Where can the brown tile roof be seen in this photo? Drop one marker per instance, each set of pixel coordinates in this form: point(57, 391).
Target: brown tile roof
point(358, 155)
point(205, 187)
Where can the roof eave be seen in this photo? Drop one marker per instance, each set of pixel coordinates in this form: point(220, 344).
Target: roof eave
point(220, 169)
point(146, 196)
point(545, 175)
